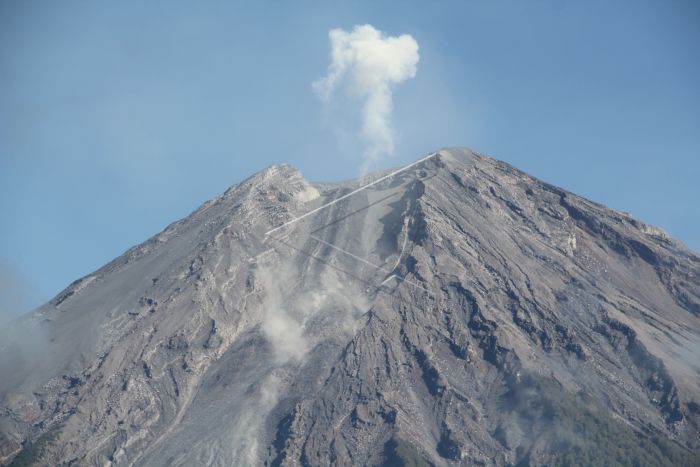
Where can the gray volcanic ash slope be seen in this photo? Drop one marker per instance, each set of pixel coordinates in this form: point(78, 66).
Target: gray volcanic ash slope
point(457, 312)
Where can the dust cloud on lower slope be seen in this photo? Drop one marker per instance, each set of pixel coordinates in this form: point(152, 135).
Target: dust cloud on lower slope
point(22, 337)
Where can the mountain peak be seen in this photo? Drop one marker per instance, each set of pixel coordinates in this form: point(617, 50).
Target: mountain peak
point(282, 182)
point(276, 171)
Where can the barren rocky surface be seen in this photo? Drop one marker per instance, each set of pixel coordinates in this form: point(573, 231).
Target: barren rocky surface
point(459, 312)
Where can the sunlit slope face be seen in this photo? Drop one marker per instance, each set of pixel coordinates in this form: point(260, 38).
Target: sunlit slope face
point(439, 312)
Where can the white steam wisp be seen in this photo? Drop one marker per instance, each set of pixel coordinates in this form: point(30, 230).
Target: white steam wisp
point(366, 63)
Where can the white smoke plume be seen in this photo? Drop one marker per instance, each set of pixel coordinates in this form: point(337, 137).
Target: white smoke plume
point(298, 316)
point(366, 64)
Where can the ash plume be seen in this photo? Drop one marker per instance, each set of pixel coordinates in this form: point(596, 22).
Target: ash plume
point(366, 64)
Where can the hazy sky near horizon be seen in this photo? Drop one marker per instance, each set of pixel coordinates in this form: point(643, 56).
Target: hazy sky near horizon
point(119, 118)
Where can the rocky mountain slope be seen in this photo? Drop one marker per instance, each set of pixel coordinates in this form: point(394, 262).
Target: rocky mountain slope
point(457, 312)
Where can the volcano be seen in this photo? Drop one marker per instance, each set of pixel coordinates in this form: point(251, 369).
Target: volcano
point(455, 311)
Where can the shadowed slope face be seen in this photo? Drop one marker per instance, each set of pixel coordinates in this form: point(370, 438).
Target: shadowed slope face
point(457, 311)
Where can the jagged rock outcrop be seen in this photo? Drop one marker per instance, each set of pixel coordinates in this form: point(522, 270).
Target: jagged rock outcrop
point(460, 312)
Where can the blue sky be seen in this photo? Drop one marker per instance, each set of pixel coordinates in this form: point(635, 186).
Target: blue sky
point(119, 118)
